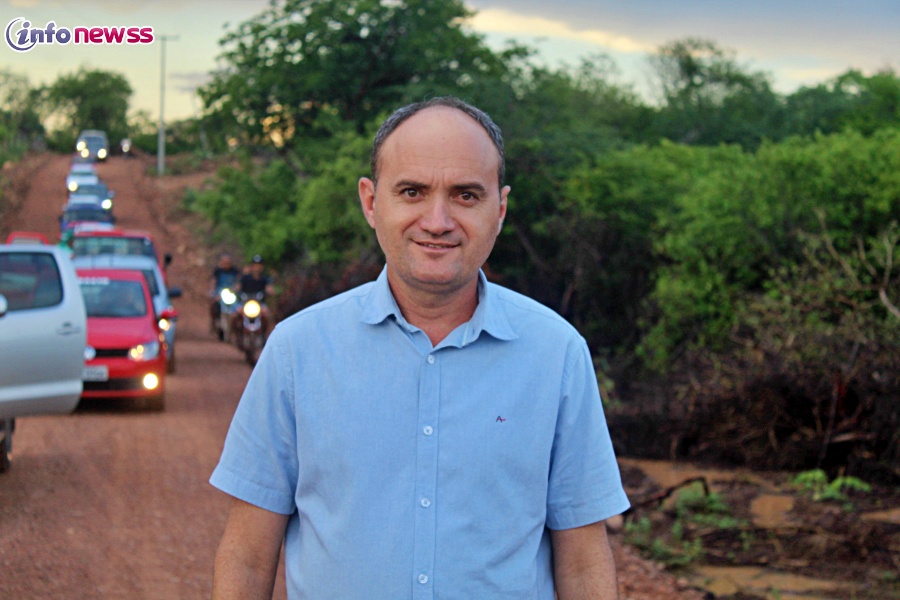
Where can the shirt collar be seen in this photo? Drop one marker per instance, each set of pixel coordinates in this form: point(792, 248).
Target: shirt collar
point(488, 317)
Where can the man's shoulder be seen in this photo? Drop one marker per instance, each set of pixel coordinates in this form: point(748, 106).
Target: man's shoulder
point(525, 312)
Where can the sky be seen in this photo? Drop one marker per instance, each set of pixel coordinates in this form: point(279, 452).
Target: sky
point(797, 42)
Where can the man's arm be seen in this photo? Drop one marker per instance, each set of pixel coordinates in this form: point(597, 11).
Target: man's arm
point(583, 565)
point(247, 558)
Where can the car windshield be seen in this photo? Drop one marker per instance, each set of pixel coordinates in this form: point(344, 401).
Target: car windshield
point(93, 141)
point(29, 280)
point(94, 245)
point(87, 214)
point(105, 297)
point(92, 189)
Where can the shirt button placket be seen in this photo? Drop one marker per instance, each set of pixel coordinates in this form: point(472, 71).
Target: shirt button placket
point(426, 478)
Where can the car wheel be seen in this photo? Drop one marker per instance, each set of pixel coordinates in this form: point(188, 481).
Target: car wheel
point(4, 457)
point(5, 445)
point(170, 364)
point(155, 403)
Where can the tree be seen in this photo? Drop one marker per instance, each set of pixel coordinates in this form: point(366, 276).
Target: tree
point(90, 99)
point(710, 99)
point(302, 60)
point(20, 125)
point(851, 100)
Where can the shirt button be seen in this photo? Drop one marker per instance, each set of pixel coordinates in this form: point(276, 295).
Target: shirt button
point(430, 359)
point(423, 578)
point(427, 430)
point(425, 502)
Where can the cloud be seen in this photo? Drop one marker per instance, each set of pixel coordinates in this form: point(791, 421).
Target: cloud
point(189, 81)
point(506, 22)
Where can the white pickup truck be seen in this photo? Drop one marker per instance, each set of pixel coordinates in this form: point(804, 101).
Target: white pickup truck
point(42, 336)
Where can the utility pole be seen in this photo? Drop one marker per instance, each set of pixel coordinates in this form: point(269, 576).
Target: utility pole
point(161, 130)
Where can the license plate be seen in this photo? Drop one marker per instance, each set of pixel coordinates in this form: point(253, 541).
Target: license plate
point(97, 373)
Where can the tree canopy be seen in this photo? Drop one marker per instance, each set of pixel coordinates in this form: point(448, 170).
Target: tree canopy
point(301, 61)
point(90, 99)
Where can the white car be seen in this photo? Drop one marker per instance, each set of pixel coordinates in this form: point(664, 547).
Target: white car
point(162, 296)
point(74, 180)
point(43, 329)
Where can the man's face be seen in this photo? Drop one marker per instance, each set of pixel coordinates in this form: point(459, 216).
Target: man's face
point(437, 208)
point(256, 269)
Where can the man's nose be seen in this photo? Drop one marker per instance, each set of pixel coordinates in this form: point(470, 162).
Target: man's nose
point(437, 218)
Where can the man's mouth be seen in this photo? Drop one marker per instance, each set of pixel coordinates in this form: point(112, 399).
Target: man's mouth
point(437, 246)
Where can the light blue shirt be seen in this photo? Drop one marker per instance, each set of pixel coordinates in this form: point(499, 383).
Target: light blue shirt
point(413, 471)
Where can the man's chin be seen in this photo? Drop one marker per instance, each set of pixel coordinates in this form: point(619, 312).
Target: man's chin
point(436, 282)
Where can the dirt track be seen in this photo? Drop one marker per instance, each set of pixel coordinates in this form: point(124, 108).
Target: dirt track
point(114, 503)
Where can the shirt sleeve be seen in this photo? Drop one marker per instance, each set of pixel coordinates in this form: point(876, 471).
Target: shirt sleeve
point(259, 461)
point(585, 485)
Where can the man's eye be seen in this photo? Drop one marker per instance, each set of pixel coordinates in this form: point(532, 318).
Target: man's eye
point(468, 197)
point(410, 193)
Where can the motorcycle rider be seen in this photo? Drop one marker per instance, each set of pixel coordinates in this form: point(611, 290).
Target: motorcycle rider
point(251, 283)
point(225, 275)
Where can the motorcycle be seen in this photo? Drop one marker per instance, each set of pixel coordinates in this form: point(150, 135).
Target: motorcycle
point(225, 304)
point(251, 335)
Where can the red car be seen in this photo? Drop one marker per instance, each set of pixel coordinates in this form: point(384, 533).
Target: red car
point(118, 241)
point(125, 356)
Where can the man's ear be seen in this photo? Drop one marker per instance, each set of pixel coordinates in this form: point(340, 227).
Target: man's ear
point(367, 199)
point(504, 199)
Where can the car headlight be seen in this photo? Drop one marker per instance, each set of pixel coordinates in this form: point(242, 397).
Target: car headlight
point(101, 153)
point(106, 204)
point(251, 309)
point(151, 381)
point(85, 153)
point(228, 296)
point(81, 146)
point(72, 186)
point(145, 351)
point(165, 324)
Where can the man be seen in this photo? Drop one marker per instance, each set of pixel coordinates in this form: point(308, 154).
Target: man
point(225, 275)
point(255, 281)
point(427, 435)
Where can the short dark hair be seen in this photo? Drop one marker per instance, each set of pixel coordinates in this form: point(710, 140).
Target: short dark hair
point(404, 113)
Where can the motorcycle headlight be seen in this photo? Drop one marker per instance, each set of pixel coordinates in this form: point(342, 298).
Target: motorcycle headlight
point(252, 309)
point(145, 351)
point(228, 296)
point(85, 153)
point(165, 324)
point(101, 153)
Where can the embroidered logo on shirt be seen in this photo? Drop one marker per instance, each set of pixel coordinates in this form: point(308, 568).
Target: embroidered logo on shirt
point(500, 420)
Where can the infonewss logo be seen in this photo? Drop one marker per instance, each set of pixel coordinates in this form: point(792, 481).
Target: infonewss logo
point(27, 37)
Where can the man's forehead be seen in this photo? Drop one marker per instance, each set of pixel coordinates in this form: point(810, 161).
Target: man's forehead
point(440, 139)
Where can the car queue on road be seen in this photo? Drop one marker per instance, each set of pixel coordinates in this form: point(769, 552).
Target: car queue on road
point(89, 317)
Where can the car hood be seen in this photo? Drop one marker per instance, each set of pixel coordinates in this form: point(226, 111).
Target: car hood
point(120, 332)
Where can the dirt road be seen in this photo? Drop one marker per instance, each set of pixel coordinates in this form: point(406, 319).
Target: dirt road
point(110, 502)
